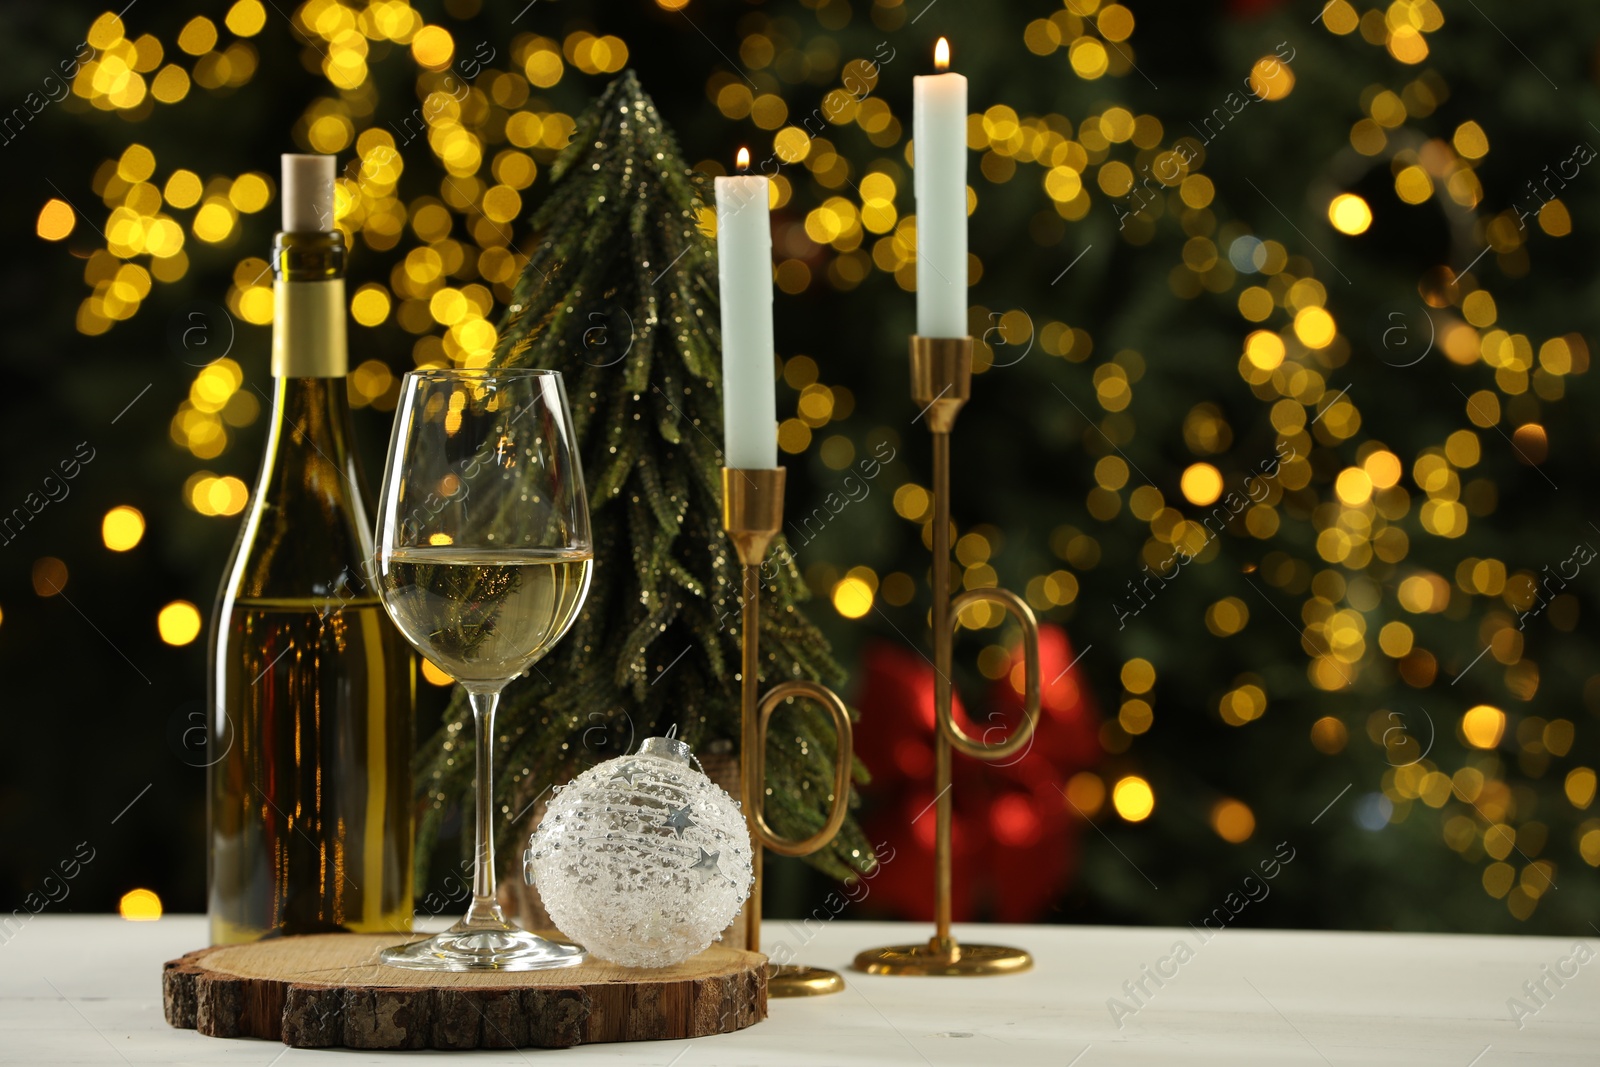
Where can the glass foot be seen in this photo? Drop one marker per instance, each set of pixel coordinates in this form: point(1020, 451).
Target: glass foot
point(508, 949)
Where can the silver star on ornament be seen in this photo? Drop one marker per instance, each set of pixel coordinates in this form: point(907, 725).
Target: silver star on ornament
point(679, 820)
point(706, 865)
point(627, 773)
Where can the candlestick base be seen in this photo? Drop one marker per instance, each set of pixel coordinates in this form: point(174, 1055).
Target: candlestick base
point(798, 980)
point(752, 515)
point(945, 959)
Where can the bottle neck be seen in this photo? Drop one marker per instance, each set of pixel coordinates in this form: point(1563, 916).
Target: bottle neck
point(311, 415)
point(310, 408)
point(307, 532)
point(308, 335)
point(308, 325)
point(311, 490)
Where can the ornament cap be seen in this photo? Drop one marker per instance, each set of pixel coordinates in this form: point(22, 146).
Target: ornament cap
point(668, 748)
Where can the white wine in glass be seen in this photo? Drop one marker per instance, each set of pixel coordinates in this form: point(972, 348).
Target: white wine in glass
point(485, 616)
point(483, 560)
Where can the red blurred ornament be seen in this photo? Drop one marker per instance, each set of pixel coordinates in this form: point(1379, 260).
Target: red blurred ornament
point(1014, 842)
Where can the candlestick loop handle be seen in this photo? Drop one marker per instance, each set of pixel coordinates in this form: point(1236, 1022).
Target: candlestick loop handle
point(843, 756)
point(964, 742)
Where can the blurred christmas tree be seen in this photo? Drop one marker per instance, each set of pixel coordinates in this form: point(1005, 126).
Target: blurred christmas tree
point(1344, 236)
point(619, 294)
point(1303, 442)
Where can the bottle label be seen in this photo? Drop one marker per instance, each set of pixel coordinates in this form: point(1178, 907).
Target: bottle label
point(308, 331)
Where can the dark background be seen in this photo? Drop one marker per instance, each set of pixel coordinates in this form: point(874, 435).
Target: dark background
point(1362, 759)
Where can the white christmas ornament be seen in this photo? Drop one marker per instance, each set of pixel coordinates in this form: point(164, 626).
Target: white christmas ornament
point(642, 859)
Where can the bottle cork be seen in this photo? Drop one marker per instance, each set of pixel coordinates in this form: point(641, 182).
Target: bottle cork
point(307, 193)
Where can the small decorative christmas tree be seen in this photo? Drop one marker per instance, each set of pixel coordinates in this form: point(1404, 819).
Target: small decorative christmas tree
point(620, 296)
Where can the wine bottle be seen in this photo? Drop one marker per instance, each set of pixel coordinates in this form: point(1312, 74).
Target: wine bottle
point(311, 687)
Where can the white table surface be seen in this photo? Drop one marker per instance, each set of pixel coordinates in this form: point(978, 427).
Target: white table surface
point(87, 990)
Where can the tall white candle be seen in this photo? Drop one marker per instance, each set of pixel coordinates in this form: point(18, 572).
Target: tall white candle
point(939, 132)
point(744, 277)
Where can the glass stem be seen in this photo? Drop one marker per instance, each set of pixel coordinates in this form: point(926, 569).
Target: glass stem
point(485, 909)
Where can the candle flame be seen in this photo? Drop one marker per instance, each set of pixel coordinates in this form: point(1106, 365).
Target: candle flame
point(744, 160)
point(941, 54)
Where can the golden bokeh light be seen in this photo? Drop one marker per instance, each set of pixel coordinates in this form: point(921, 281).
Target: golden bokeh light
point(1580, 787)
point(1086, 793)
point(433, 675)
point(433, 47)
point(198, 36)
point(1470, 141)
point(105, 31)
point(1329, 735)
point(1136, 717)
point(1115, 22)
point(1227, 616)
point(1315, 327)
point(1532, 443)
point(1138, 675)
point(139, 905)
point(1271, 79)
point(122, 528)
point(249, 193)
point(1353, 487)
point(214, 221)
point(1349, 214)
point(137, 164)
point(183, 188)
point(1413, 185)
point(502, 203)
point(1483, 726)
point(1396, 639)
point(1133, 798)
point(1424, 593)
point(56, 220)
point(246, 18)
point(1407, 45)
point(852, 597)
point(1088, 58)
point(1383, 469)
point(369, 305)
point(794, 436)
point(1264, 349)
point(171, 84)
point(1201, 484)
point(370, 382)
point(1242, 704)
point(49, 576)
point(178, 623)
point(1233, 820)
point(913, 502)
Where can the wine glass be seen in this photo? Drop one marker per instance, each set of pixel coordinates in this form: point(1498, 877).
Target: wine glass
point(483, 562)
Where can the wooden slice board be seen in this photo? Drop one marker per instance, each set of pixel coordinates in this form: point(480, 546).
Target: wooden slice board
point(326, 990)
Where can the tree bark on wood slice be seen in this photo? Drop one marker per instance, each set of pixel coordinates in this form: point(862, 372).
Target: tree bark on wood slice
point(329, 990)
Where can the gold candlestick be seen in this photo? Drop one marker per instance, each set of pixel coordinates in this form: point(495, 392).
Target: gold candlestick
point(941, 382)
point(752, 514)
